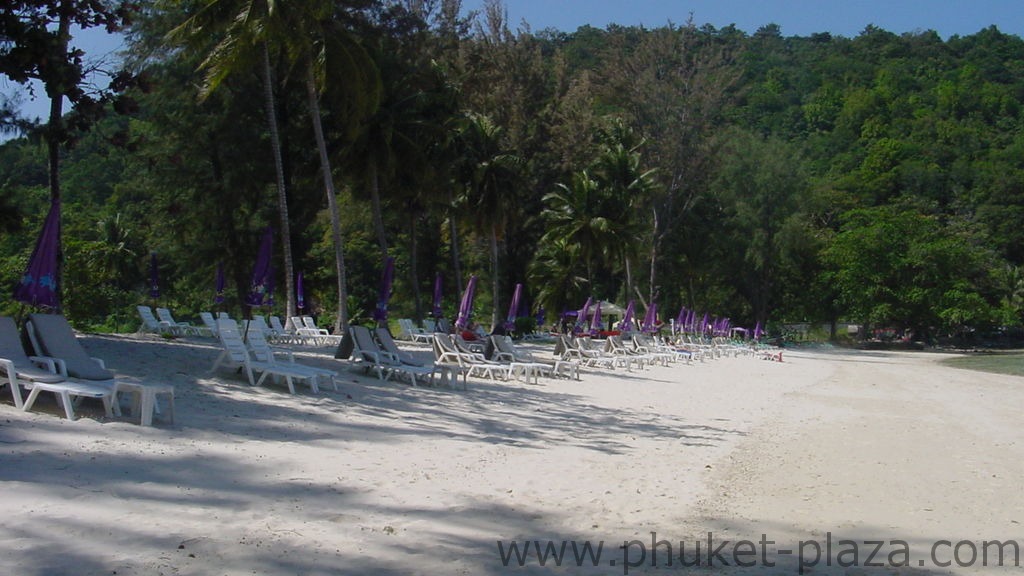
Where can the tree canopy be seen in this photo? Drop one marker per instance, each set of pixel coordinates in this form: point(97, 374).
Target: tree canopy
point(875, 179)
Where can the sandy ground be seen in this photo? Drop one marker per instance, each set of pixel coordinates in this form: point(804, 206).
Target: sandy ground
point(383, 478)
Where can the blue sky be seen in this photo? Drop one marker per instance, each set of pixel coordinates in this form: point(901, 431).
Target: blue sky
point(795, 17)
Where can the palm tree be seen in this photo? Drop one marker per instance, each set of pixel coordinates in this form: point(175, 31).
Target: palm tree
point(332, 56)
point(618, 173)
point(553, 270)
point(576, 216)
point(491, 181)
point(310, 34)
point(248, 30)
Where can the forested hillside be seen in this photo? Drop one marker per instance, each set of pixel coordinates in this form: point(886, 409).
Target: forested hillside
point(876, 179)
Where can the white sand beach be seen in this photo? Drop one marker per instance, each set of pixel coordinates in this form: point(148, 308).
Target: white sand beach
point(384, 478)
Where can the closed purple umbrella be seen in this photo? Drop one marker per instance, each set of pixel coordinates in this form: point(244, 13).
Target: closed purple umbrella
point(438, 288)
point(218, 297)
point(703, 328)
point(261, 285)
point(154, 276)
point(582, 315)
point(651, 318)
point(681, 319)
point(38, 285)
point(595, 323)
point(757, 330)
point(513, 307)
point(627, 316)
point(466, 305)
point(300, 292)
point(387, 277)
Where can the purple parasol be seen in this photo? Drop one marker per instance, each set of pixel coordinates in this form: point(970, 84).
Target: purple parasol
point(681, 318)
point(757, 331)
point(387, 277)
point(437, 312)
point(261, 286)
point(466, 305)
point(650, 318)
point(300, 293)
point(595, 323)
point(627, 317)
point(582, 315)
point(38, 286)
point(513, 307)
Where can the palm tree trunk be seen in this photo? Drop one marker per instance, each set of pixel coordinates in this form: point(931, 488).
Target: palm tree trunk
point(629, 276)
point(282, 194)
point(413, 265)
point(378, 216)
point(495, 281)
point(332, 202)
point(654, 252)
point(454, 239)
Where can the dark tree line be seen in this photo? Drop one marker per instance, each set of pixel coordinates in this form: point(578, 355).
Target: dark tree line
point(877, 179)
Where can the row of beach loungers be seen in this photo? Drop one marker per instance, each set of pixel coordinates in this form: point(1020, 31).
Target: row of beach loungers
point(60, 365)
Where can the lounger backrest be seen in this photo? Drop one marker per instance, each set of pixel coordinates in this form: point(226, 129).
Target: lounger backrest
point(231, 340)
point(503, 344)
point(208, 321)
point(389, 345)
point(445, 343)
point(146, 313)
point(385, 340)
point(363, 341)
point(259, 324)
point(275, 323)
point(258, 343)
point(10, 343)
point(165, 316)
point(56, 339)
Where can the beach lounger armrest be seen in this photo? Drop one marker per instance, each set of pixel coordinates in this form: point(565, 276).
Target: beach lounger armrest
point(45, 363)
point(59, 366)
point(11, 376)
point(8, 369)
point(371, 355)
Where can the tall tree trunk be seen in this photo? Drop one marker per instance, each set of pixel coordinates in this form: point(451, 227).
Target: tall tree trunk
point(654, 254)
point(341, 322)
point(378, 215)
point(454, 239)
point(629, 277)
point(495, 280)
point(413, 272)
point(282, 194)
point(54, 137)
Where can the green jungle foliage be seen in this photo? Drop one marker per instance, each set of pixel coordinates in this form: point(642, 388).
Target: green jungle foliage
point(876, 179)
